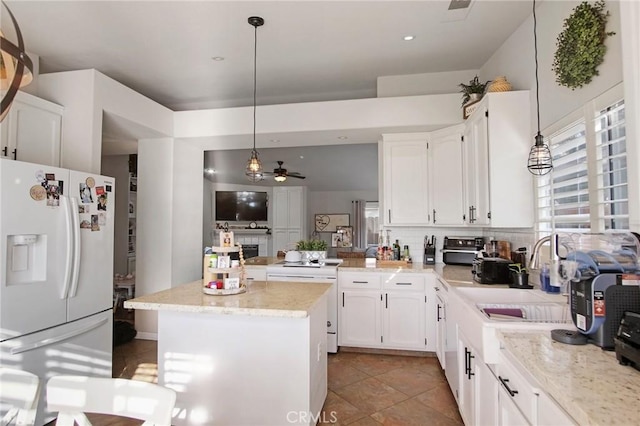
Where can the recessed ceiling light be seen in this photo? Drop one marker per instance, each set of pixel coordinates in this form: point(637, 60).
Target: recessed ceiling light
point(302, 156)
point(342, 137)
point(209, 171)
point(218, 58)
point(408, 37)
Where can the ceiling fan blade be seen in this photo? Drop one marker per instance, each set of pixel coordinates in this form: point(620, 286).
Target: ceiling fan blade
point(297, 176)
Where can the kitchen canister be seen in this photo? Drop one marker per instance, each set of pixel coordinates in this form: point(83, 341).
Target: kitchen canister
point(500, 84)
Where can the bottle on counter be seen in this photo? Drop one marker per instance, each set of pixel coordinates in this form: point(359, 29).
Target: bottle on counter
point(545, 278)
point(406, 253)
point(396, 250)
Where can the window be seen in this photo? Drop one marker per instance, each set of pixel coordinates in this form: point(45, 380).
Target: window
point(371, 213)
point(587, 188)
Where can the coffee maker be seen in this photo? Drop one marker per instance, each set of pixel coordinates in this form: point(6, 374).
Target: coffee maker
point(605, 285)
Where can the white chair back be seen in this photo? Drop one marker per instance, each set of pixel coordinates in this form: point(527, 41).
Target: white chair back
point(72, 396)
point(19, 393)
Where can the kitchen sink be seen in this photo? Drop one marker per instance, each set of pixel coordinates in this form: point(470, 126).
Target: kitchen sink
point(552, 313)
point(506, 295)
point(482, 313)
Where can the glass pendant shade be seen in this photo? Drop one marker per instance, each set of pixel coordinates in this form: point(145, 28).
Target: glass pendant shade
point(540, 162)
point(254, 168)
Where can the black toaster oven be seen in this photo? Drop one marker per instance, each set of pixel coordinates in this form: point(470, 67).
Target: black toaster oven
point(461, 250)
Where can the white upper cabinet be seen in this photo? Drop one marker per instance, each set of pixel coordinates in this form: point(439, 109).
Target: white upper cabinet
point(446, 177)
point(498, 137)
point(405, 188)
point(476, 167)
point(32, 131)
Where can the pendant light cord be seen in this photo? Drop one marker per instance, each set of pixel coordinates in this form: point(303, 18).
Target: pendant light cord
point(535, 49)
point(255, 81)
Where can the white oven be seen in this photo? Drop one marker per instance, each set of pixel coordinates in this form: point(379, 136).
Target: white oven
point(310, 273)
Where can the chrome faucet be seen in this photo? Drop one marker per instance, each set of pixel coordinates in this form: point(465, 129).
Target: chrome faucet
point(534, 263)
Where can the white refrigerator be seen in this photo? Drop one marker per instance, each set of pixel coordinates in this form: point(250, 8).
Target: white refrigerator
point(56, 268)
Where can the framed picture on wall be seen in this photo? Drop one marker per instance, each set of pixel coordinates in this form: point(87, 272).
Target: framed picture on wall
point(326, 222)
point(336, 240)
point(346, 233)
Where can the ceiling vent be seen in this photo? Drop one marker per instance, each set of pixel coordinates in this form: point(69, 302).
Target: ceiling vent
point(459, 4)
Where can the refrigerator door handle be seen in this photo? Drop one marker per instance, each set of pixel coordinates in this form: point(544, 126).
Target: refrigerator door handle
point(69, 251)
point(77, 247)
point(58, 339)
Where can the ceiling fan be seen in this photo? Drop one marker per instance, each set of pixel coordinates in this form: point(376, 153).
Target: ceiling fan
point(280, 174)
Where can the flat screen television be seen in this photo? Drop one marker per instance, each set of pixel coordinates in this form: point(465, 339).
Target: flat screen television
point(241, 206)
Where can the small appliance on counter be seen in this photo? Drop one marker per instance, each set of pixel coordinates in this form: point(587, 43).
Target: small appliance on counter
point(604, 286)
point(627, 341)
point(429, 250)
point(491, 270)
point(461, 250)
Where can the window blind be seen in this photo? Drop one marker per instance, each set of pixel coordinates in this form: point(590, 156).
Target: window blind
point(587, 188)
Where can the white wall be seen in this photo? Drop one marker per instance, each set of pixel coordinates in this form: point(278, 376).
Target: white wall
point(117, 166)
point(85, 95)
point(333, 202)
point(424, 84)
point(515, 60)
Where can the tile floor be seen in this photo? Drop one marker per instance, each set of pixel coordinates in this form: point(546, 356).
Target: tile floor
point(364, 389)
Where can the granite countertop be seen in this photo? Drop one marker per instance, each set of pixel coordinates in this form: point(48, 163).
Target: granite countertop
point(586, 381)
point(268, 299)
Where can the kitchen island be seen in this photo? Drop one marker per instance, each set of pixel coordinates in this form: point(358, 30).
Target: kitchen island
point(254, 358)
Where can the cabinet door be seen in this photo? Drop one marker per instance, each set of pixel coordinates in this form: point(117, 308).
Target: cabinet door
point(441, 329)
point(486, 390)
point(405, 183)
point(280, 208)
point(294, 211)
point(34, 131)
point(476, 166)
point(285, 239)
point(404, 320)
point(446, 178)
point(508, 413)
point(360, 318)
point(466, 370)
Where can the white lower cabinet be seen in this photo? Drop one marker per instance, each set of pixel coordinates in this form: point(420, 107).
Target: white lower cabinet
point(360, 318)
point(440, 297)
point(508, 413)
point(387, 311)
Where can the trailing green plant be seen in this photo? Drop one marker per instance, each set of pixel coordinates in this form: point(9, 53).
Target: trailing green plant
point(580, 45)
point(474, 86)
point(311, 245)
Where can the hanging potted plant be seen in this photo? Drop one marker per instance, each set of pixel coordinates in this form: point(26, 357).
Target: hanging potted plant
point(473, 91)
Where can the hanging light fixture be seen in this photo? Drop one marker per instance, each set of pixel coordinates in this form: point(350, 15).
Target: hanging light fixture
point(254, 166)
point(16, 68)
point(539, 162)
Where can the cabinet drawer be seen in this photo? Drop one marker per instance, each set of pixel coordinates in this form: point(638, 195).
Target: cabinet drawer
point(518, 388)
point(411, 282)
point(359, 280)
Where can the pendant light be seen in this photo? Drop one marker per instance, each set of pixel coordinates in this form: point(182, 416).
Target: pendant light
point(254, 166)
point(539, 162)
point(16, 68)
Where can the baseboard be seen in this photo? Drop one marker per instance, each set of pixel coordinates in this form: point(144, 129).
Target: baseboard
point(142, 335)
point(377, 351)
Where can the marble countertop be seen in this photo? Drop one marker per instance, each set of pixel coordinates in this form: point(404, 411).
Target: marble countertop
point(268, 299)
point(586, 381)
point(454, 275)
